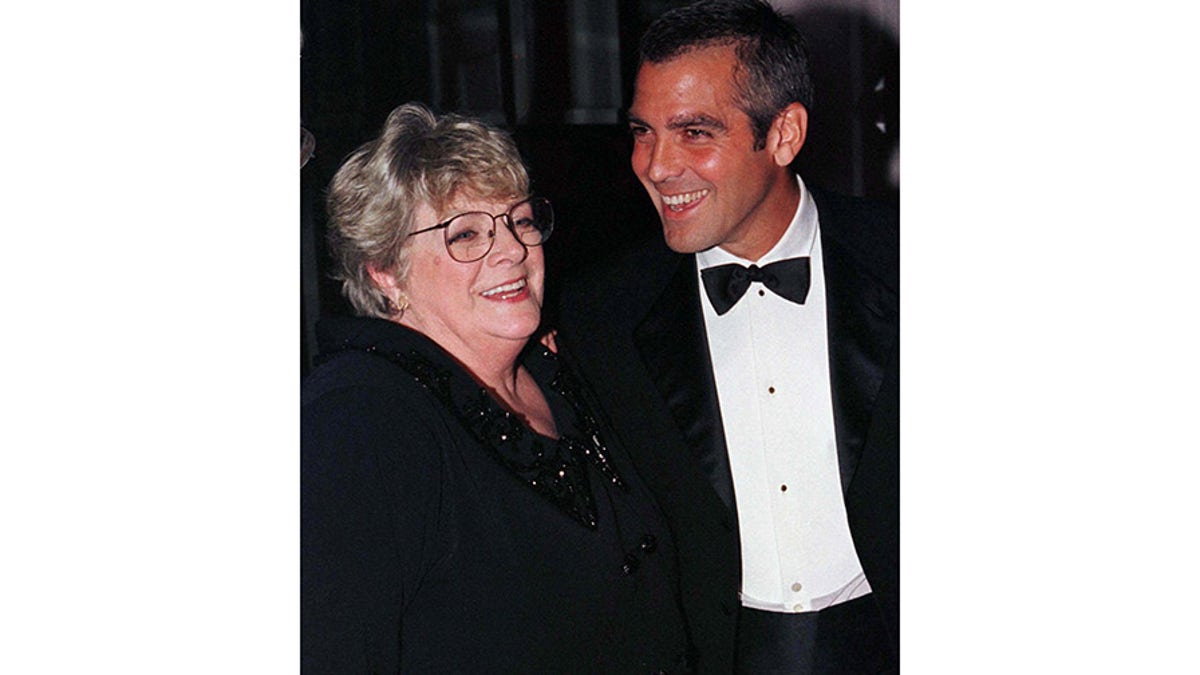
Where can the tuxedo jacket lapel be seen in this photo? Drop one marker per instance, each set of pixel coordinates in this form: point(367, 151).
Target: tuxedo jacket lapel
point(673, 345)
point(862, 314)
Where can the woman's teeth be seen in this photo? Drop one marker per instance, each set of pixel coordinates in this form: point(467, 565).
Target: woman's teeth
point(506, 288)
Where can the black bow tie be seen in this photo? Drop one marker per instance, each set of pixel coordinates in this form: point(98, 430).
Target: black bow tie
point(726, 284)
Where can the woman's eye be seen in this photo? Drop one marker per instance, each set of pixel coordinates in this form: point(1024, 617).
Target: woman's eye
point(463, 236)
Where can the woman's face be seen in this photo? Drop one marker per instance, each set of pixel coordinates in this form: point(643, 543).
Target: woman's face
point(473, 308)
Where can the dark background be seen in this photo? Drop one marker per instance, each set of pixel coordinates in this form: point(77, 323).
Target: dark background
point(558, 75)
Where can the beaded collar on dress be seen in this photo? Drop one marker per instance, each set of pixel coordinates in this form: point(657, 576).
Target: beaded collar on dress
point(555, 469)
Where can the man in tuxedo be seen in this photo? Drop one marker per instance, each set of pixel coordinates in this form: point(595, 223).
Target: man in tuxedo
point(754, 359)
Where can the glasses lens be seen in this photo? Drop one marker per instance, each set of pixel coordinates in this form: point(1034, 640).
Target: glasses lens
point(469, 236)
point(308, 144)
point(532, 220)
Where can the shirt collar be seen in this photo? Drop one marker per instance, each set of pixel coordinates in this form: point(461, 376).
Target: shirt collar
point(797, 240)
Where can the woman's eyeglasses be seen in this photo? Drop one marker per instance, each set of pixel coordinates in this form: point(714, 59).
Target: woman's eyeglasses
point(469, 236)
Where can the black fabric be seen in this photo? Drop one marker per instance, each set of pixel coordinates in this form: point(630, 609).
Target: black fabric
point(423, 552)
point(846, 638)
point(630, 327)
point(726, 284)
point(681, 372)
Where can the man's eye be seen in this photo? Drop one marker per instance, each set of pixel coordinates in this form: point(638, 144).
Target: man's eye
point(696, 133)
point(638, 132)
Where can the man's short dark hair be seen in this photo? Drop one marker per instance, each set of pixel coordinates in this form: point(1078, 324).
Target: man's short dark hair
point(774, 70)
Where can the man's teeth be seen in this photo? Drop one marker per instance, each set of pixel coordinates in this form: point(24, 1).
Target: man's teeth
point(514, 286)
point(677, 202)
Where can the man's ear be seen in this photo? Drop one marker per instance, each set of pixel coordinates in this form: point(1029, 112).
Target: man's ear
point(787, 134)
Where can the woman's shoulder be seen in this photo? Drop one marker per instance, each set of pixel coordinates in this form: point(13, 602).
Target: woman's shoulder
point(357, 359)
point(354, 372)
point(361, 408)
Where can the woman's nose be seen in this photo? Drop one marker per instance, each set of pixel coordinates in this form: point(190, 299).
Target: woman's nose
point(506, 246)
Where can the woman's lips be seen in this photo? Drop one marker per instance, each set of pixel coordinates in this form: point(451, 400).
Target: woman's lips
point(507, 291)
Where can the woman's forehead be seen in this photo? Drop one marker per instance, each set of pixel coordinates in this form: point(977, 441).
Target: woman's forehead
point(472, 200)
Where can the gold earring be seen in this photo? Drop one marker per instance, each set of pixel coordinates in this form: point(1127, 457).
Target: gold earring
point(396, 308)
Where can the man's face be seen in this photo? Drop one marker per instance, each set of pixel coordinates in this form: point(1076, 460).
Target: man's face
point(694, 153)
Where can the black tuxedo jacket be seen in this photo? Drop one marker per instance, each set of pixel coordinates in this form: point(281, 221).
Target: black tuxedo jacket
point(636, 331)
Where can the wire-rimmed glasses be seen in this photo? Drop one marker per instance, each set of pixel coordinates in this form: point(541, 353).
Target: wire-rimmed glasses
point(470, 235)
point(308, 146)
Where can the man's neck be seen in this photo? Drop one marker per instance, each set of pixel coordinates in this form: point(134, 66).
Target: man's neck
point(775, 215)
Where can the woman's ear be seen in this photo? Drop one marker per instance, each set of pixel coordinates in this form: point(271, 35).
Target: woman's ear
point(390, 285)
point(787, 134)
point(397, 301)
point(386, 281)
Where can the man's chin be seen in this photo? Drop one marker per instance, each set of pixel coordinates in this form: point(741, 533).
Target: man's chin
point(677, 239)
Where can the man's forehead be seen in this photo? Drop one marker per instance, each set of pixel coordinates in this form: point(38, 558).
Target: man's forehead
point(655, 107)
point(685, 82)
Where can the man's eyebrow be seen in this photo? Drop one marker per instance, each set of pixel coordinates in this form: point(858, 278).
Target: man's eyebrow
point(682, 121)
point(695, 120)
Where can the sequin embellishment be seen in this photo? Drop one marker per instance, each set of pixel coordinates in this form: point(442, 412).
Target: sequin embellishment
point(554, 469)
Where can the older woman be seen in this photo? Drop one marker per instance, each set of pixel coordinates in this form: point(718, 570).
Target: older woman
point(463, 507)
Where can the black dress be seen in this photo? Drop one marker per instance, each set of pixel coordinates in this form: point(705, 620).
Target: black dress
point(441, 535)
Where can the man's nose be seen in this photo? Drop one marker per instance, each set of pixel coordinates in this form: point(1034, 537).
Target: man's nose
point(663, 161)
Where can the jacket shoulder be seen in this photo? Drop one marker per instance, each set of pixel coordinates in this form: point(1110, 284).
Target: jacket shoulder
point(865, 230)
point(617, 290)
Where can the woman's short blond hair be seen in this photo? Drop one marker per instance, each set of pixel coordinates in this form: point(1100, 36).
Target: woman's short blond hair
point(418, 158)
